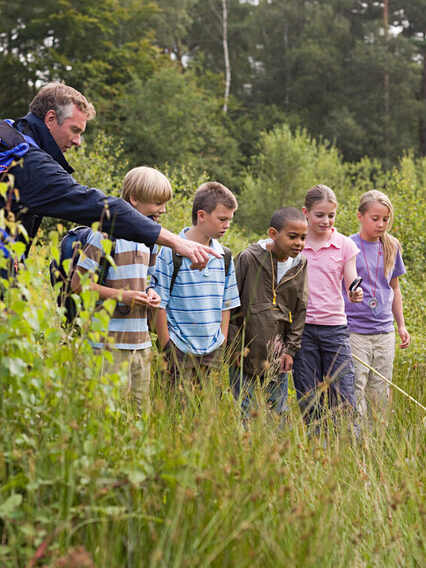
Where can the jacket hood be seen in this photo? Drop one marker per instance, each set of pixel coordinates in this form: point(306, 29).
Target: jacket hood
point(262, 256)
point(35, 127)
point(257, 252)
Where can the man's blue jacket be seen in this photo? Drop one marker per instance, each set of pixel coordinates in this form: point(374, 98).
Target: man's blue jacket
point(47, 188)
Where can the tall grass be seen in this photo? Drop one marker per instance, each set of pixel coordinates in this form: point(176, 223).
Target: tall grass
point(84, 483)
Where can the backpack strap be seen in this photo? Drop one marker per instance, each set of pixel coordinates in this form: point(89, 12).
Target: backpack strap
point(13, 144)
point(177, 263)
point(104, 263)
point(227, 259)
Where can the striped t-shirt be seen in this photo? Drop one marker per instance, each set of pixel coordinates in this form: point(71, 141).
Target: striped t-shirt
point(194, 308)
point(128, 327)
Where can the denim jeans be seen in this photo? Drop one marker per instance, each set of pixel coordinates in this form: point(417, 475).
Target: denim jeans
point(243, 388)
point(325, 353)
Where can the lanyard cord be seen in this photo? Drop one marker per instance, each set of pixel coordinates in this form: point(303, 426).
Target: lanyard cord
point(373, 290)
point(274, 289)
point(274, 293)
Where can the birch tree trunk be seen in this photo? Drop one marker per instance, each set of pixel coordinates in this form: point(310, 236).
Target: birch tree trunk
point(226, 54)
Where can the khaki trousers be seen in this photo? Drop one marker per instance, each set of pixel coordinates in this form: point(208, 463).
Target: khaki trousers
point(138, 374)
point(378, 351)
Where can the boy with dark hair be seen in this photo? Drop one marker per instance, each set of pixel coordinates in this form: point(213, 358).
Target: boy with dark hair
point(266, 331)
point(193, 318)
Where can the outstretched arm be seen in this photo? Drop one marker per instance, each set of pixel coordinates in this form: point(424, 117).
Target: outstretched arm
point(196, 252)
point(48, 190)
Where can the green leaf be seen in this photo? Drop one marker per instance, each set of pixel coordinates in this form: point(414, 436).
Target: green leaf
point(10, 505)
point(15, 366)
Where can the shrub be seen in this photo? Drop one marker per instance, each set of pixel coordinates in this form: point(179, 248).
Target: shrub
point(286, 166)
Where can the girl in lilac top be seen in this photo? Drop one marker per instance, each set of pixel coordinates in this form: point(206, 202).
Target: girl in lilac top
point(324, 357)
point(371, 324)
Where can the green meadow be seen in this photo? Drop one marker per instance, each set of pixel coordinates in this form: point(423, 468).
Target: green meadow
point(84, 483)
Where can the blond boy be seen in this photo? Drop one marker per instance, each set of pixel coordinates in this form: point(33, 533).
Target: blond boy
point(148, 191)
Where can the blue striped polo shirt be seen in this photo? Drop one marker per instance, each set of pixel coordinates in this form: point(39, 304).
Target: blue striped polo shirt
point(194, 309)
point(128, 327)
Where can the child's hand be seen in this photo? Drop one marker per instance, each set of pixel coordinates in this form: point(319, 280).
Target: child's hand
point(154, 298)
point(405, 337)
point(356, 296)
point(134, 297)
point(286, 363)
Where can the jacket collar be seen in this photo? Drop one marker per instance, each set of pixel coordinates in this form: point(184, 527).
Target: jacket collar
point(264, 258)
point(34, 126)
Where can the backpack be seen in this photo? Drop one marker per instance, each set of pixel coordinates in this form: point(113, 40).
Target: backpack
point(71, 246)
point(177, 263)
point(13, 144)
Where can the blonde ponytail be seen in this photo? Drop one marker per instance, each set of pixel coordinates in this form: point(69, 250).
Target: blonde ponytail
point(389, 243)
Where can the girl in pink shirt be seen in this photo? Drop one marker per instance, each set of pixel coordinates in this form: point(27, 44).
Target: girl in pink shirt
point(323, 365)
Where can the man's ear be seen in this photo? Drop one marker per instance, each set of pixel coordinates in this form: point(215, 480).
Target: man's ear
point(272, 233)
point(50, 119)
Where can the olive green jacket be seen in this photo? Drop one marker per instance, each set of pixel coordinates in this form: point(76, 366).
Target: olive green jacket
point(262, 318)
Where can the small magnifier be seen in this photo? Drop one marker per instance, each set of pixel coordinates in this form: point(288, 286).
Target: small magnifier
point(354, 285)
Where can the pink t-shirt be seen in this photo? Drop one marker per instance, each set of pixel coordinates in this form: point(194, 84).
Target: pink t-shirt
point(325, 274)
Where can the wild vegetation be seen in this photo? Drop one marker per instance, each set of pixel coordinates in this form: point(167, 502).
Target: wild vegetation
point(195, 82)
point(318, 91)
point(84, 483)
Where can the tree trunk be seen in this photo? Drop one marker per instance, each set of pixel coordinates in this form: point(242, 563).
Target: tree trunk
point(386, 80)
point(226, 55)
point(422, 123)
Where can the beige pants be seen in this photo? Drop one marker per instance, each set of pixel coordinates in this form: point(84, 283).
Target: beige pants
point(138, 374)
point(378, 351)
point(188, 366)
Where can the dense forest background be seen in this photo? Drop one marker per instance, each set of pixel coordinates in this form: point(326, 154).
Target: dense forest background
point(195, 83)
point(268, 97)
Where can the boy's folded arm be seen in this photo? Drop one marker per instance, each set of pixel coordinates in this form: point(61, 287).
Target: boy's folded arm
point(128, 297)
point(75, 281)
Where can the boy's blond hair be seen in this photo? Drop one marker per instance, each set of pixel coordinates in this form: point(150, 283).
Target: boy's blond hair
point(209, 195)
point(146, 185)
